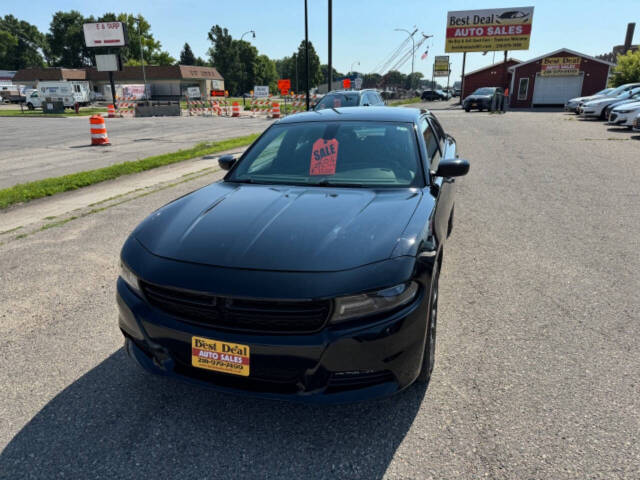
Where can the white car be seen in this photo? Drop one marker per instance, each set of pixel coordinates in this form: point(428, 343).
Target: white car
point(573, 104)
point(624, 115)
point(595, 108)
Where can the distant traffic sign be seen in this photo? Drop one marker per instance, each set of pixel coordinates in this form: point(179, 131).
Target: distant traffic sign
point(346, 83)
point(284, 84)
point(358, 83)
point(105, 34)
point(261, 91)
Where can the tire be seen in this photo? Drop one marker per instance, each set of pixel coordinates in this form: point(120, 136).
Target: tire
point(30, 106)
point(429, 357)
point(467, 109)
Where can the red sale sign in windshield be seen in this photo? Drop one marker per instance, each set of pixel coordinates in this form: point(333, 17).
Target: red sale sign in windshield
point(324, 156)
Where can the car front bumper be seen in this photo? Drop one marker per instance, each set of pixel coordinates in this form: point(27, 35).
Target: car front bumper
point(335, 365)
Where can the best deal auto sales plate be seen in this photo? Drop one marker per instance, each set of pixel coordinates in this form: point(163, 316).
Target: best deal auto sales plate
point(220, 356)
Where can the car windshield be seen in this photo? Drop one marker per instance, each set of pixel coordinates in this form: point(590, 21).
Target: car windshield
point(606, 91)
point(618, 91)
point(338, 153)
point(337, 100)
point(484, 91)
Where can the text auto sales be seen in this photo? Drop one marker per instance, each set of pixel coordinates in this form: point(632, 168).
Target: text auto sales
point(490, 31)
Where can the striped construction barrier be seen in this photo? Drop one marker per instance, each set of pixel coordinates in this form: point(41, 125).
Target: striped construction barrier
point(275, 110)
point(98, 131)
point(111, 111)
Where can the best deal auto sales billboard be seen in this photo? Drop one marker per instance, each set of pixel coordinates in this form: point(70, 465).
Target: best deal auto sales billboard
point(489, 30)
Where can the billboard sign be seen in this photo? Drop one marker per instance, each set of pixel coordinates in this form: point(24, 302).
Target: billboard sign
point(560, 66)
point(107, 63)
point(489, 30)
point(441, 66)
point(261, 91)
point(104, 34)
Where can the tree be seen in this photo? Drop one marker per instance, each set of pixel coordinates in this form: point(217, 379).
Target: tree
point(186, 56)
point(371, 80)
point(265, 73)
point(628, 69)
point(225, 57)
point(394, 78)
point(413, 80)
point(21, 44)
point(324, 70)
point(65, 41)
point(315, 75)
point(137, 29)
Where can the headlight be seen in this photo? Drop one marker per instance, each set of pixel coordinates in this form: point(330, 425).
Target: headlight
point(370, 303)
point(623, 111)
point(129, 278)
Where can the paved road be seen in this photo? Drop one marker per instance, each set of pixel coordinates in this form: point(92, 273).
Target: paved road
point(36, 148)
point(537, 364)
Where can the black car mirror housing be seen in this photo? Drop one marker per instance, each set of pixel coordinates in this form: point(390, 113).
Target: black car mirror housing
point(226, 162)
point(452, 167)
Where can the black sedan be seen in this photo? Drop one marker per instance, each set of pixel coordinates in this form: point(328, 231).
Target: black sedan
point(310, 271)
point(482, 98)
point(430, 95)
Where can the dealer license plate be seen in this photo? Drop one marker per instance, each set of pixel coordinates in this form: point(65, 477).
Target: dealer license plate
point(220, 356)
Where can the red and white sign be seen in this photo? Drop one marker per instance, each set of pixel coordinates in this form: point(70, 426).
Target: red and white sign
point(324, 156)
point(284, 84)
point(104, 34)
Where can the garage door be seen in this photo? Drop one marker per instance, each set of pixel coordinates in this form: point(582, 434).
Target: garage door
point(556, 90)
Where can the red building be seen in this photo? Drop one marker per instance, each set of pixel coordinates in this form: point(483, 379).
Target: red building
point(495, 75)
point(556, 77)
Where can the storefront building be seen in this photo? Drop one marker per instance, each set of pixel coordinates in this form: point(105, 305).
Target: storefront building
point(554, 78)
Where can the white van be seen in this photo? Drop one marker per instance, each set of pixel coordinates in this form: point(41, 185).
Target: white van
point(68, 93)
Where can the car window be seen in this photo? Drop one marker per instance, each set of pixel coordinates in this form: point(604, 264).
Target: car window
point(439, 131)
point(334, 152)
point(337, 100)
point(431, 142)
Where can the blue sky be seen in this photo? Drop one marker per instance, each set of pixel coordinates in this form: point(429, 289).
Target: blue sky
point(363, 31)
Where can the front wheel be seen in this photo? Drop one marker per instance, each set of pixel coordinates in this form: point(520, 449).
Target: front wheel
point(429, 357)
point(30, 106)
point(467, 109)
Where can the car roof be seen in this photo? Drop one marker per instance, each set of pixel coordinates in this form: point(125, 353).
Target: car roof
point(380, 114)
point(353, 91)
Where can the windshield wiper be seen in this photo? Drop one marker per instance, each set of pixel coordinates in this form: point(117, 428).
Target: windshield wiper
point(327, 183)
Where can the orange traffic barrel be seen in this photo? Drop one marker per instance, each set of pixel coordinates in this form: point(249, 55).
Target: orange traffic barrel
point(235, 109)
point(275, 110)
point(98, 130)
point(111, 111)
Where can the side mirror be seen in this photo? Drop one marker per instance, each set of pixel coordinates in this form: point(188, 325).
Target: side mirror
point(226, 162)
point(452, 167)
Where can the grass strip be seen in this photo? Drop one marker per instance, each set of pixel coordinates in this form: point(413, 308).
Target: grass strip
point(25, 192)
point(38, 113)
point(405, 101)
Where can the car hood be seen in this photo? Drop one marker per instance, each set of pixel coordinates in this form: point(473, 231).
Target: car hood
point(285, 228)
point(603, 101)
point(631, 105)
point(478, 97)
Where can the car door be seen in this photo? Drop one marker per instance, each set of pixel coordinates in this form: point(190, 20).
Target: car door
point(439, 146)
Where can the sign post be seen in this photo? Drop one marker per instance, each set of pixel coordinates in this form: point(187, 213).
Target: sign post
point(106, 34)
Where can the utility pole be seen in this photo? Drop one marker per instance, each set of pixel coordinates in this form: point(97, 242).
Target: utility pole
point(413, 46)
point(306, 49)
point(144, 75)
point(330, 65)
point(464, 61)
point(243, 67)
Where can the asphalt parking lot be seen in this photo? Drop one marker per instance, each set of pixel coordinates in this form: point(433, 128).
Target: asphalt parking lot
point(536, 368)
point(35, 148)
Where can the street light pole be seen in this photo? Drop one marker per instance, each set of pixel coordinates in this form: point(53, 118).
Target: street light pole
point(144, 75)
point(413, 46)
point(243, 69)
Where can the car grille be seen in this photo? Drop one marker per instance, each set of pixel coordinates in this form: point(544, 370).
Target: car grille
point(236, 314)
point(612, 117)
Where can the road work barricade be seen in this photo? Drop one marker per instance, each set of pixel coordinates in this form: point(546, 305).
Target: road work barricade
point(275, 110)
point(111, 111)
point(98, 131)
point(126, 107)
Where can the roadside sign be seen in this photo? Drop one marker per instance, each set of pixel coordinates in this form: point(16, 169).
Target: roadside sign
point(441, 66)
point(261, 91)
point(193, 92)
point(105, 34)
point(489, 30)
point(107, 63)
point(358, 83)
point(346, 83)
point(559, 66)
point(284, 84)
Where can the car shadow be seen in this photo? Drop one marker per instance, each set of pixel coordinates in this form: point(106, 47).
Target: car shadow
point(619, 130)
point(635, 137)
point(119, 422)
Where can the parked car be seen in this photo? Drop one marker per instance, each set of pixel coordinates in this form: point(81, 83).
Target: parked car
point(595, 108)
point(624, 115)
point(310, 271)
point(350, 98)
point(636, 124)
point(573, 104)
point(481, 98)
point(430, 95)
point(635, 97)
point(513, 17)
